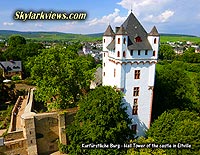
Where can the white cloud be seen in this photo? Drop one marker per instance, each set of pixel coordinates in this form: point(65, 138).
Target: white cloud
point(8, 24)
point(38, 25)
point(143, 6)
point(110, 18)
point(163, 17)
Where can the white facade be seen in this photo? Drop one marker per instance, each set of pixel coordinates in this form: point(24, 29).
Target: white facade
point(129, 69)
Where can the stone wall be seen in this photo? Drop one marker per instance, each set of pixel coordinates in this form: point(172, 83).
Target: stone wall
point(47, 132)
point(14, 135)
point(14, 147)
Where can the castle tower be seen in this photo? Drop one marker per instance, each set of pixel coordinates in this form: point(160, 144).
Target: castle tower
point(129, 58)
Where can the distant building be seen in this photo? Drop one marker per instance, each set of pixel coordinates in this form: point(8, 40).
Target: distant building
point(11, 68)
point(129, 58)
point(87, 48)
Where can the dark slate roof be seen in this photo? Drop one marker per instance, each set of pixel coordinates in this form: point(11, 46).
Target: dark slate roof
point(11, 66)
point(135, 29)
point(121, 31)
point(109, 31)
point(111, 46)
point(154, 32)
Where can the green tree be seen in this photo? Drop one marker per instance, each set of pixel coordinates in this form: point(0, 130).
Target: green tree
point(101, 119)
point(172, 89)
point(22, 52)
point(61, 76)
point(6, 91)
point(175, 127)
point(16, 40)
point(166, 52)
point(145, 151)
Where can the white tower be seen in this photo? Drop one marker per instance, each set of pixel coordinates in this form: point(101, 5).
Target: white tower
point(129, 58)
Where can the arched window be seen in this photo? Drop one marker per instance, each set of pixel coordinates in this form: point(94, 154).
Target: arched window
point(124, 41)
point(124, 54)
point(138, 39)
point(118, 40)
point(154, 53)
point(118, 54)
point(155, 41)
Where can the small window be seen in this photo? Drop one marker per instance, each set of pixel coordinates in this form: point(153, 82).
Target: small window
point(31, 141)
point(104, 64)
point(124, 41)
point(104, 40)
point(146, 52)
point(118, 54)
point(155, 41)
point(138, 39)
point(137, 74)
point(118, 40)
point(154, 53)
point(114, 72)
point(135, 107)
point(124, 54)
point(134, 128)
point(138, 52)
point(30, 132)
point(131, 52)
point(104, 73)
point(104, 54)
point(136, 91)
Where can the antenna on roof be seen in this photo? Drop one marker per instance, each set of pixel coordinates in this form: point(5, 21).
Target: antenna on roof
point(131, 8)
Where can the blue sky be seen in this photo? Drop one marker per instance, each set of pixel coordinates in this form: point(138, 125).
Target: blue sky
point(169, 16)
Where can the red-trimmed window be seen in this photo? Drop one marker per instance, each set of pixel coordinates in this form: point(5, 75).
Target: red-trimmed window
point(124, 54)
point(134, 128)
point(124, 41)
point(155, 41)
point(136, 91)
point(138, 39)
point(135, 107)
point(118, 40)
point(154, 53)
point(137, 74)
point(118, 54)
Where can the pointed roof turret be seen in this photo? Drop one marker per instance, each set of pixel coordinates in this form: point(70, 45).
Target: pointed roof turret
point(133, 28)
point(154, 32)
point(109, 31)
point(121, 31)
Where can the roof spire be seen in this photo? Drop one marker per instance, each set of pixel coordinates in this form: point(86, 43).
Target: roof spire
point(109, 31)
point(131, 8)
point(154, 32)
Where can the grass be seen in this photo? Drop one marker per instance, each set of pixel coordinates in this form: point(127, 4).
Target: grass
point(179, 38)
point(57, 36)
point(5, 117)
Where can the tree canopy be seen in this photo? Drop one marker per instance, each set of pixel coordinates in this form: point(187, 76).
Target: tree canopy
point(175, 127)
point(166, 52)
point(173, 89)
point(16, 40)
point(101, 119)
point(146, 150)
point(61, 76)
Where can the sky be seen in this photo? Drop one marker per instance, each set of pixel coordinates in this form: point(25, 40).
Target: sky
point(169, 16)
